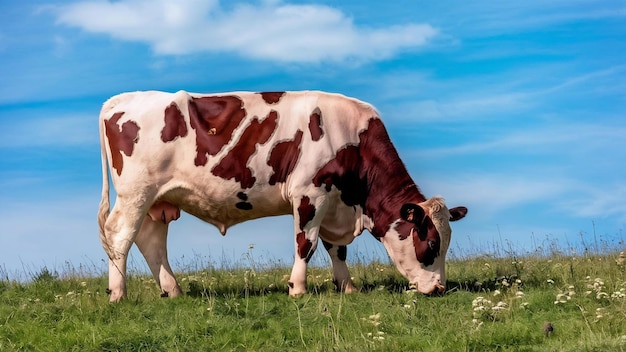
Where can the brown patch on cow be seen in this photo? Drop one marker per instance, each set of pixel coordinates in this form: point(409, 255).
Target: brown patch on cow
point(272, 97)
point(283, 158)
point(426, 242)
point(426, 239)
point(304, 246)
point(214, 119)
point(343, 172)
point(234, 164)
point(342, 253)
point(315, 125)
point(120, 139)
point(403, 235)
point(412, 213)
point(243, 205)
point(175, 125)
point(306, 211)
point(372, 176)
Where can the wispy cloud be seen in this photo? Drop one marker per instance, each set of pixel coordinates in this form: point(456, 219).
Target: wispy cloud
point(495, 193)
point(602, 201)
point(56, 131)
point(582, 139)
point(269, 30)
point(506, 17)
point(531, 92)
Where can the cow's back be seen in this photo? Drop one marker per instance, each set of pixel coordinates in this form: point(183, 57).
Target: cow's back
point(228, 157)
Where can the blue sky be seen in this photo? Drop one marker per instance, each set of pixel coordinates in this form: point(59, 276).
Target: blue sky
point(515, 109)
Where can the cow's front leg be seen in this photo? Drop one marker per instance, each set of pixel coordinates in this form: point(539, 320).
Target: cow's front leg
point(341, 274)
point(307, 219)
point(152, 242)
point(306, 243)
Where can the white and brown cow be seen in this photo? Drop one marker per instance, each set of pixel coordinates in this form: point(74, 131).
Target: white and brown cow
point(231, 157)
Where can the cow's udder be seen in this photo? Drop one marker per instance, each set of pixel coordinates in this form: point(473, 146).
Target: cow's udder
point(164, 212)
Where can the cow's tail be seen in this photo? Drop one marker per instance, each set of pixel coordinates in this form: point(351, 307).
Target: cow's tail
point(105, 204)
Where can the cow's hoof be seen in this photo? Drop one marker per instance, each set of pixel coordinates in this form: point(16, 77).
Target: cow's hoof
point(115, 297)
point(296, 290)
point(345, 287)
point(349, 289)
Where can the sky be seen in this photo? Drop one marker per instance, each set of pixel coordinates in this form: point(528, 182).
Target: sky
point(516, 110)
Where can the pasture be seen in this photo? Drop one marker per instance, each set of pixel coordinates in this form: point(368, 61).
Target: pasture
point(532, 302)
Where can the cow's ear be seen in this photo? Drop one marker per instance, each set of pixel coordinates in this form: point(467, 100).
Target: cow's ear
point(412, 213)
point(457, 213)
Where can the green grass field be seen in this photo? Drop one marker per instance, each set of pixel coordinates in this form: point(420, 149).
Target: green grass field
point(492, 303)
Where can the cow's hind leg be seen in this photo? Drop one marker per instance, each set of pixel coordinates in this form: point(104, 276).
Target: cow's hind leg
point(152, 242)
point(341, 274)
point(120, 230)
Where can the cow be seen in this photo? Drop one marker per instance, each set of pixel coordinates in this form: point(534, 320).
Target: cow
point(227, 158)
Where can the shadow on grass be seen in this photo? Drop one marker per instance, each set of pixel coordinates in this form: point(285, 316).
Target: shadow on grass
point(391, 285)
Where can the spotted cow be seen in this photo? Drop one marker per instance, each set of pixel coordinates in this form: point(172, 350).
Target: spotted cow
point(227, 158)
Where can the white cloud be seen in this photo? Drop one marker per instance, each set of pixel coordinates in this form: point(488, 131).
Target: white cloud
point(269, 30)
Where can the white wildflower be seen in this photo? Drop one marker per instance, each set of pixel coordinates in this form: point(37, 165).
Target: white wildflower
point(601, 295)
point(500, 306)
point(618, 294)
point(562, 298)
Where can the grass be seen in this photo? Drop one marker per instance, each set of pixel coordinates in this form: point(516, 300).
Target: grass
point(492, 303)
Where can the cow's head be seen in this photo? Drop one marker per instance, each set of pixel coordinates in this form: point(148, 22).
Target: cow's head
point(418, 240)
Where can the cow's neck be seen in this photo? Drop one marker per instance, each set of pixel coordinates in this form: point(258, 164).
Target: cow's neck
point(388, 182)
